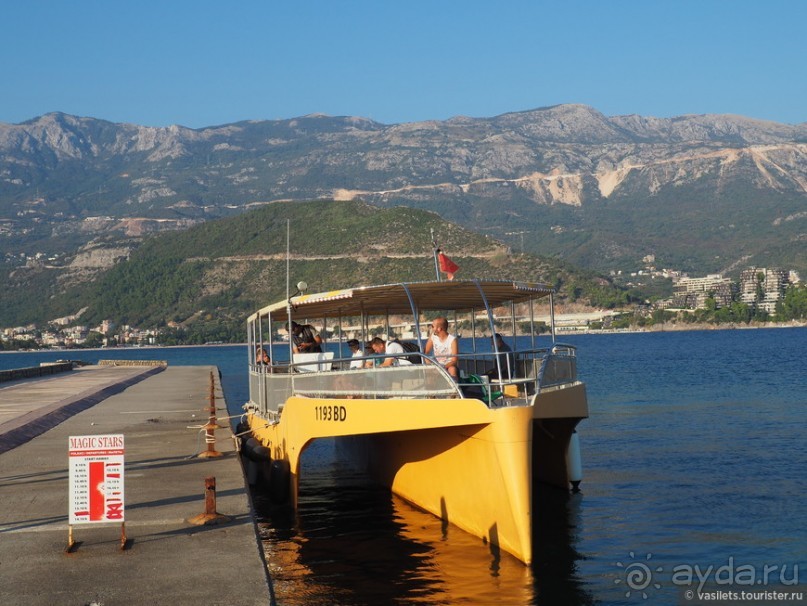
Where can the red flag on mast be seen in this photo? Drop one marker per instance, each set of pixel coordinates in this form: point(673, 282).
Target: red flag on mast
point(447, 266)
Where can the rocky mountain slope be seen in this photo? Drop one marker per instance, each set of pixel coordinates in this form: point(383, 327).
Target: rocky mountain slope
point(700, 193)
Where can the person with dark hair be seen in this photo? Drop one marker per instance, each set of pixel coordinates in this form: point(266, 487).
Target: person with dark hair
point(358, 352)
point(305, 337)
point(261, 357)
point(506, 360)
point(382, 347)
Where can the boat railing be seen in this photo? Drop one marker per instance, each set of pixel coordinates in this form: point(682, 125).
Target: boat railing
point(485, 362)
point(558, 366)
point(273, 385)
point(503, 379)
point(521, 364)
point(534, 369)
point(520, 375)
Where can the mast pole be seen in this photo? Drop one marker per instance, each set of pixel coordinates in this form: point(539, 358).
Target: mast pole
point(434, 254)
point(552, 315)
point(288, 300)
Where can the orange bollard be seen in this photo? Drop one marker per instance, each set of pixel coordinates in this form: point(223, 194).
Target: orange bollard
point(210, 516)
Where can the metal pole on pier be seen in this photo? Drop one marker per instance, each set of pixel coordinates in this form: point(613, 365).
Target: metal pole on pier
point(212, 425)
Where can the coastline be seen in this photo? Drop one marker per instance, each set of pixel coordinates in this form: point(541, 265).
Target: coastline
point(673, 327)
point(121, 348)
point(679, 327)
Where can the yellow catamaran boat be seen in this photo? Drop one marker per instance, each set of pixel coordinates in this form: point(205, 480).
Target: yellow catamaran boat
point(468, 450)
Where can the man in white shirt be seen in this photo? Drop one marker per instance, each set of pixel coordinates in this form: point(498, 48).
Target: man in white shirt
point(444, 345)
point(380, 347)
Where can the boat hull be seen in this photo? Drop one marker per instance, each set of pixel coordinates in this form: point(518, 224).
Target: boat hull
point(468, 464)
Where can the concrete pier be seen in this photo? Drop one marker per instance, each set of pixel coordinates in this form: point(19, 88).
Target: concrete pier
point(167, 559)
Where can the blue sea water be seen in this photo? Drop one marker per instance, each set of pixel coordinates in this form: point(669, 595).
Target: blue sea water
point(694, 457)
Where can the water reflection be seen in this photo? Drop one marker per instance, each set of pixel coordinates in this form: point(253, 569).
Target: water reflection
point(556, 531)
point(353, 543)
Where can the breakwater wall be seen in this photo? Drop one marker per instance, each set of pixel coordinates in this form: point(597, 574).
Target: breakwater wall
point(132, 363)
point(34, 371)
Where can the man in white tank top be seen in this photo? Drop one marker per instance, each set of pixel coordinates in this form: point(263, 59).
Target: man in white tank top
point(443, 345)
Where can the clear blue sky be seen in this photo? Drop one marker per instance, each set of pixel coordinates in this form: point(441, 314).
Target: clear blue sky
point(202, 63)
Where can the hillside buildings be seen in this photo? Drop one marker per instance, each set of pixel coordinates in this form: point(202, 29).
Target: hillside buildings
point(59, 335)
point(759, 287)
point(763, 287)
point(692, 293)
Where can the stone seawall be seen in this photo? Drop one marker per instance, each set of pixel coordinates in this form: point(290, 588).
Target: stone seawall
point(34, 371)
point(132, 363)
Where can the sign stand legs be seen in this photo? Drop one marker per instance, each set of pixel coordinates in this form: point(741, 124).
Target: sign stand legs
point(72, 544)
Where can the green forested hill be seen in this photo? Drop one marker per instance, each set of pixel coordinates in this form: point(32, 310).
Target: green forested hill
point(215, 274)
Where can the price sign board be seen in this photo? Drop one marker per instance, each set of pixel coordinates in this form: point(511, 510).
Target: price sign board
point(96, 478)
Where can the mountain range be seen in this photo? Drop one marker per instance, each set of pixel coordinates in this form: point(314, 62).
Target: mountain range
point(696, 193)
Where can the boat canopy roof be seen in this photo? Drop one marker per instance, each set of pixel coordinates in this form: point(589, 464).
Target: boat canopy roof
point(457, 295)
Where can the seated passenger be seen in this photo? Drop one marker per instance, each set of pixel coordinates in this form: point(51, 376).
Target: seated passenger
point(261, 357)
point(358, 352)
point(305, 337)
point(506, 360)
point(381, 347)
point(444, 345)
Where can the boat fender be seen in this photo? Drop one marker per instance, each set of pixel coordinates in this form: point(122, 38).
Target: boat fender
point(252, 472)
point(256, 451)
point(280, 483)
point(574, 462)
